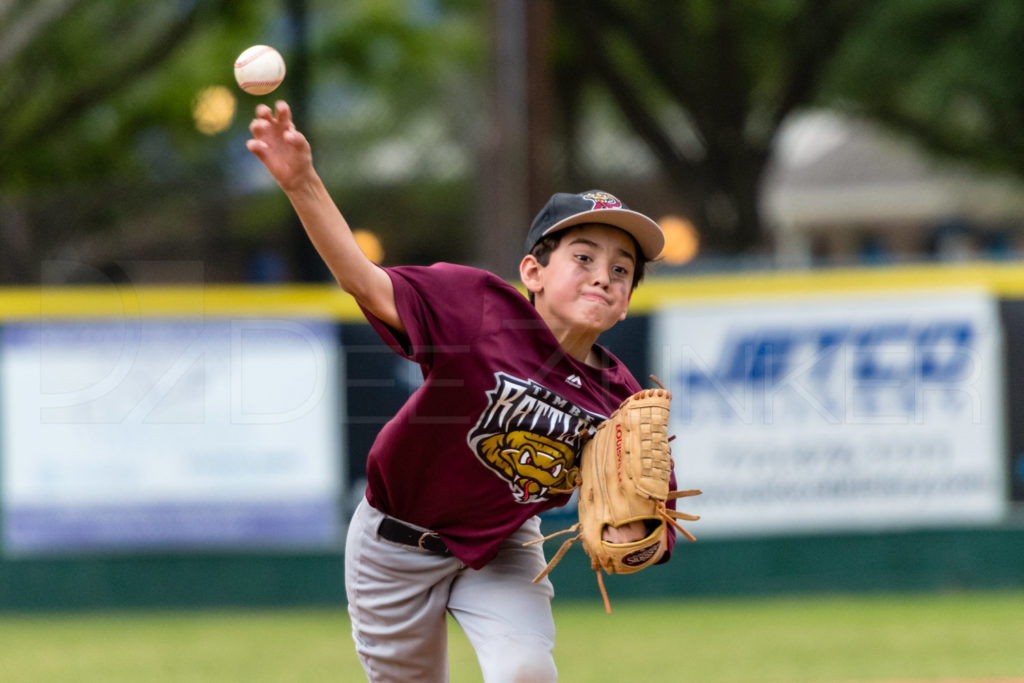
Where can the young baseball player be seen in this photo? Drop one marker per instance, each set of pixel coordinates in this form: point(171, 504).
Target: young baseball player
point(457, 478)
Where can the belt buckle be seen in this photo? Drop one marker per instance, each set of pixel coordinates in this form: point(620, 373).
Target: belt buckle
point(425, 535)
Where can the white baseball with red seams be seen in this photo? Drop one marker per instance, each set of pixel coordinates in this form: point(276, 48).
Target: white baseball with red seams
point(259, 69)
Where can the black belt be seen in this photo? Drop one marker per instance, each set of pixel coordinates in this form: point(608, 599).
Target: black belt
point(397, 532)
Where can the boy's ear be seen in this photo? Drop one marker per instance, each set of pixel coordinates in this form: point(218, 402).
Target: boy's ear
point(530, 271)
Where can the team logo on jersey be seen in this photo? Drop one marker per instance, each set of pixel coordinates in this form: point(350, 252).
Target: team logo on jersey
point(603, 200)
point(529, 436)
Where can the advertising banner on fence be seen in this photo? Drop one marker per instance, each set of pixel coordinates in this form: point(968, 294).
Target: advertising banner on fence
point(836, 413)
point(153, 434)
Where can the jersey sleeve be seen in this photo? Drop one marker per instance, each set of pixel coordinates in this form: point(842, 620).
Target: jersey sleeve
point(441, 307)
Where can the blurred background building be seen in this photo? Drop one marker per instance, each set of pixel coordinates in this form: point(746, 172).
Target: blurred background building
point(841, 192)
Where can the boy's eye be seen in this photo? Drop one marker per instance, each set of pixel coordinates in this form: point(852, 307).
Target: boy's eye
point(583, 257)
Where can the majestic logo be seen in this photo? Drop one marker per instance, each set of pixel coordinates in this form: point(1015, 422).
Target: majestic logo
point(529, 436)
point(603, 200)
point(574, 380)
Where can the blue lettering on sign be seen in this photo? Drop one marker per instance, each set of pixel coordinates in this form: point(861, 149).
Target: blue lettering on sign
point(838, 373)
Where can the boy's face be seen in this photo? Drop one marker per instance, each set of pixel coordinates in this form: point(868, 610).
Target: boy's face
point(588, 280)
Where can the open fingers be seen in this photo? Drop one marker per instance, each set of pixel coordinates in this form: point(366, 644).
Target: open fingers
point(280, 117)
point(259, 127)
point(264, 112)
point(270, 128)
point(283, 112)
point(257, 147)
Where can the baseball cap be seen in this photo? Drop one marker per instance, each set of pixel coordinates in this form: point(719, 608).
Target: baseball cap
point(565, 210)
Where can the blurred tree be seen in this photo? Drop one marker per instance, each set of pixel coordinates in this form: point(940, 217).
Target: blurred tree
point(396, 112)
point(96, 101)
point(101, 161)
point(948, 72)
point(705, 84)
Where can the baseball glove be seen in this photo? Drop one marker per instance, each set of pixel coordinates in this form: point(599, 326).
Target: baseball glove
point(623, 477)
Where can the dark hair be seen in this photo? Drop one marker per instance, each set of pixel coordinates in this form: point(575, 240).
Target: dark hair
point(547, 244)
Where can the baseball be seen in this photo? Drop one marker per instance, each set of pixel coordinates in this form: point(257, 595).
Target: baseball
point(259, 69)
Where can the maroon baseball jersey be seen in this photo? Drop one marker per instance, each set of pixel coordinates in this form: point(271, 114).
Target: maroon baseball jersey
point(496, 425)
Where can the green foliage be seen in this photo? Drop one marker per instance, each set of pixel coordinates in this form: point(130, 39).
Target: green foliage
point(386, 71)
point(705, 85)
point(99, 137)
point(947, 72)
point(97, 91)
point(98, 134)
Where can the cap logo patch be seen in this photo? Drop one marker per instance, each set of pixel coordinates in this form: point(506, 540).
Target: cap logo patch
point(603, 200)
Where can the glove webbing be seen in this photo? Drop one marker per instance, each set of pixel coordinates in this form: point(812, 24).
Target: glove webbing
point(668, 515)
point(561, 551)
point(671, 516)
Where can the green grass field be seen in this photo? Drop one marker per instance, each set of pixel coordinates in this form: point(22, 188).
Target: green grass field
point(951, 637)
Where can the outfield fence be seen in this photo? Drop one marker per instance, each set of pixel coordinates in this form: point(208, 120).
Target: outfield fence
point(195, 446)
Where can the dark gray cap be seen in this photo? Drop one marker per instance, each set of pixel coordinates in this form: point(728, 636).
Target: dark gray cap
point(565, 210)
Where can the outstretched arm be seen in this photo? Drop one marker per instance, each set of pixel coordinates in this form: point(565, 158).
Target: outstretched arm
point(287, 155)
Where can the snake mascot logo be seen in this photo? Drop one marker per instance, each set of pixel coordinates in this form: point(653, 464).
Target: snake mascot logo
point(529, 436)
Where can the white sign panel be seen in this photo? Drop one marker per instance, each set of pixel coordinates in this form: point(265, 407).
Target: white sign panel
point(836, 413)
point(154, 434)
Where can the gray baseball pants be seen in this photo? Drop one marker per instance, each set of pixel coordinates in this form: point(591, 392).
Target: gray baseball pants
point(399, 595)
